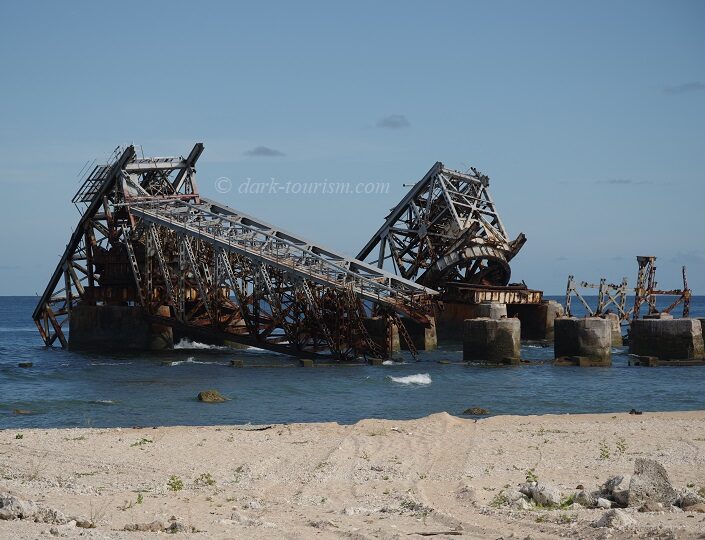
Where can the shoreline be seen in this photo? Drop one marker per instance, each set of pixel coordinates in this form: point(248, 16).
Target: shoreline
point(438, 474)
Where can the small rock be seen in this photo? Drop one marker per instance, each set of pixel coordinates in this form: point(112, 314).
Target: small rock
point(604, 503)
point(85, 524)
point(476, 411)
point(254, 505)
point(211, 396)
point(621, 497)
point(154, 526)
point(650, 483)
point(614, 519)
point(515, 496)
point(528, 488)
point(176, 527)
point(585, 499)
point(49, 515)
point(688, 498)
point(575, 507)
point(25, 364)
point(12, 507)
point(521, 504)
point(63, 530)
point(650, 506)
point(546, 495)
point(698, 507)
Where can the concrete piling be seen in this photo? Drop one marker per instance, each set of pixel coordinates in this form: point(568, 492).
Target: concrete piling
point(537, 320)
point(667, 338)
point(617, 340)
point(492, 310)
point(583, 342)
point(493, 341)
point(423, 337)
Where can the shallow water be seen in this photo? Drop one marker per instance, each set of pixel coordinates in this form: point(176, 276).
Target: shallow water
point(66, 389)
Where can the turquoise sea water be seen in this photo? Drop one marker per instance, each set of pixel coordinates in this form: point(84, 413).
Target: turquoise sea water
point(67, 389)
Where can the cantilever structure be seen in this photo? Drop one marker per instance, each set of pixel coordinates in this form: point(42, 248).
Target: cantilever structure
point(445, 231)
point(146, 238)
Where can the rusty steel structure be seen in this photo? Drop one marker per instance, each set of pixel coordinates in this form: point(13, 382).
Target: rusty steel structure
point(646, 290)
point(611, 296)
point(147, 238)
point(446, 233)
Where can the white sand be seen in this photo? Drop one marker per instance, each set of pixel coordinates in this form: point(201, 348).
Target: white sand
point(374, 479)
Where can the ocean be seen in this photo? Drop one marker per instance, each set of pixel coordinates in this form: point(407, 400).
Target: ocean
point(71, 389)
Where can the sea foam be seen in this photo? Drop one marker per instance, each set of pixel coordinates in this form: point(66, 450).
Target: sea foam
point(418, 378)
point(188, 344)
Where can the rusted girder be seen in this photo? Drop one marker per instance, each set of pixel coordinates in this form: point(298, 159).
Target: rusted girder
point(445, 230)
point(147, 238)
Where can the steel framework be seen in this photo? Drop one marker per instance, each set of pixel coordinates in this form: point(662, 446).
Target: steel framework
point(445, 231)
point(147, 238)
point(615, 296)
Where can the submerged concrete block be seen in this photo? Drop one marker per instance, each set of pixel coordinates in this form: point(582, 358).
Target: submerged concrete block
point(492, 310)
point(423, 337)
point(495, 341)
point(667, 339)
point(589, 338)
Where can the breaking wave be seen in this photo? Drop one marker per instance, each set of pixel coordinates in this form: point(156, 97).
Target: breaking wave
point(418, 378)
point(191, 360)
point(188, 344)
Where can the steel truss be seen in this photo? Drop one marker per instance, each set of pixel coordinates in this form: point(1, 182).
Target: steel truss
point(611, 296)
point(445, 230)
point(147, 238)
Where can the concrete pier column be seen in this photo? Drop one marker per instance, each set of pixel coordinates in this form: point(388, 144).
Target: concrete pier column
point(584, 342)
point(161, 337)
point(492, 310)
point(423, 337)
point(537, 320)
point(386, 336)
point(494, 341)
point(667, 338)
point(616, 329)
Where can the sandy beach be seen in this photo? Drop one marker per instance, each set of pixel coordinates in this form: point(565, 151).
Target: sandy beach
point(439, 476)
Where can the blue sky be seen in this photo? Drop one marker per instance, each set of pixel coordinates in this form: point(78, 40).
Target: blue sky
point(589, 118)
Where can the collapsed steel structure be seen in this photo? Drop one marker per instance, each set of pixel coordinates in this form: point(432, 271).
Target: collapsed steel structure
point(445, 232)
point(611, 296)
point(147, 238)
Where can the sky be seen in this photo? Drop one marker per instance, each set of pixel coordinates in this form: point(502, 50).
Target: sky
point(588, 117)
